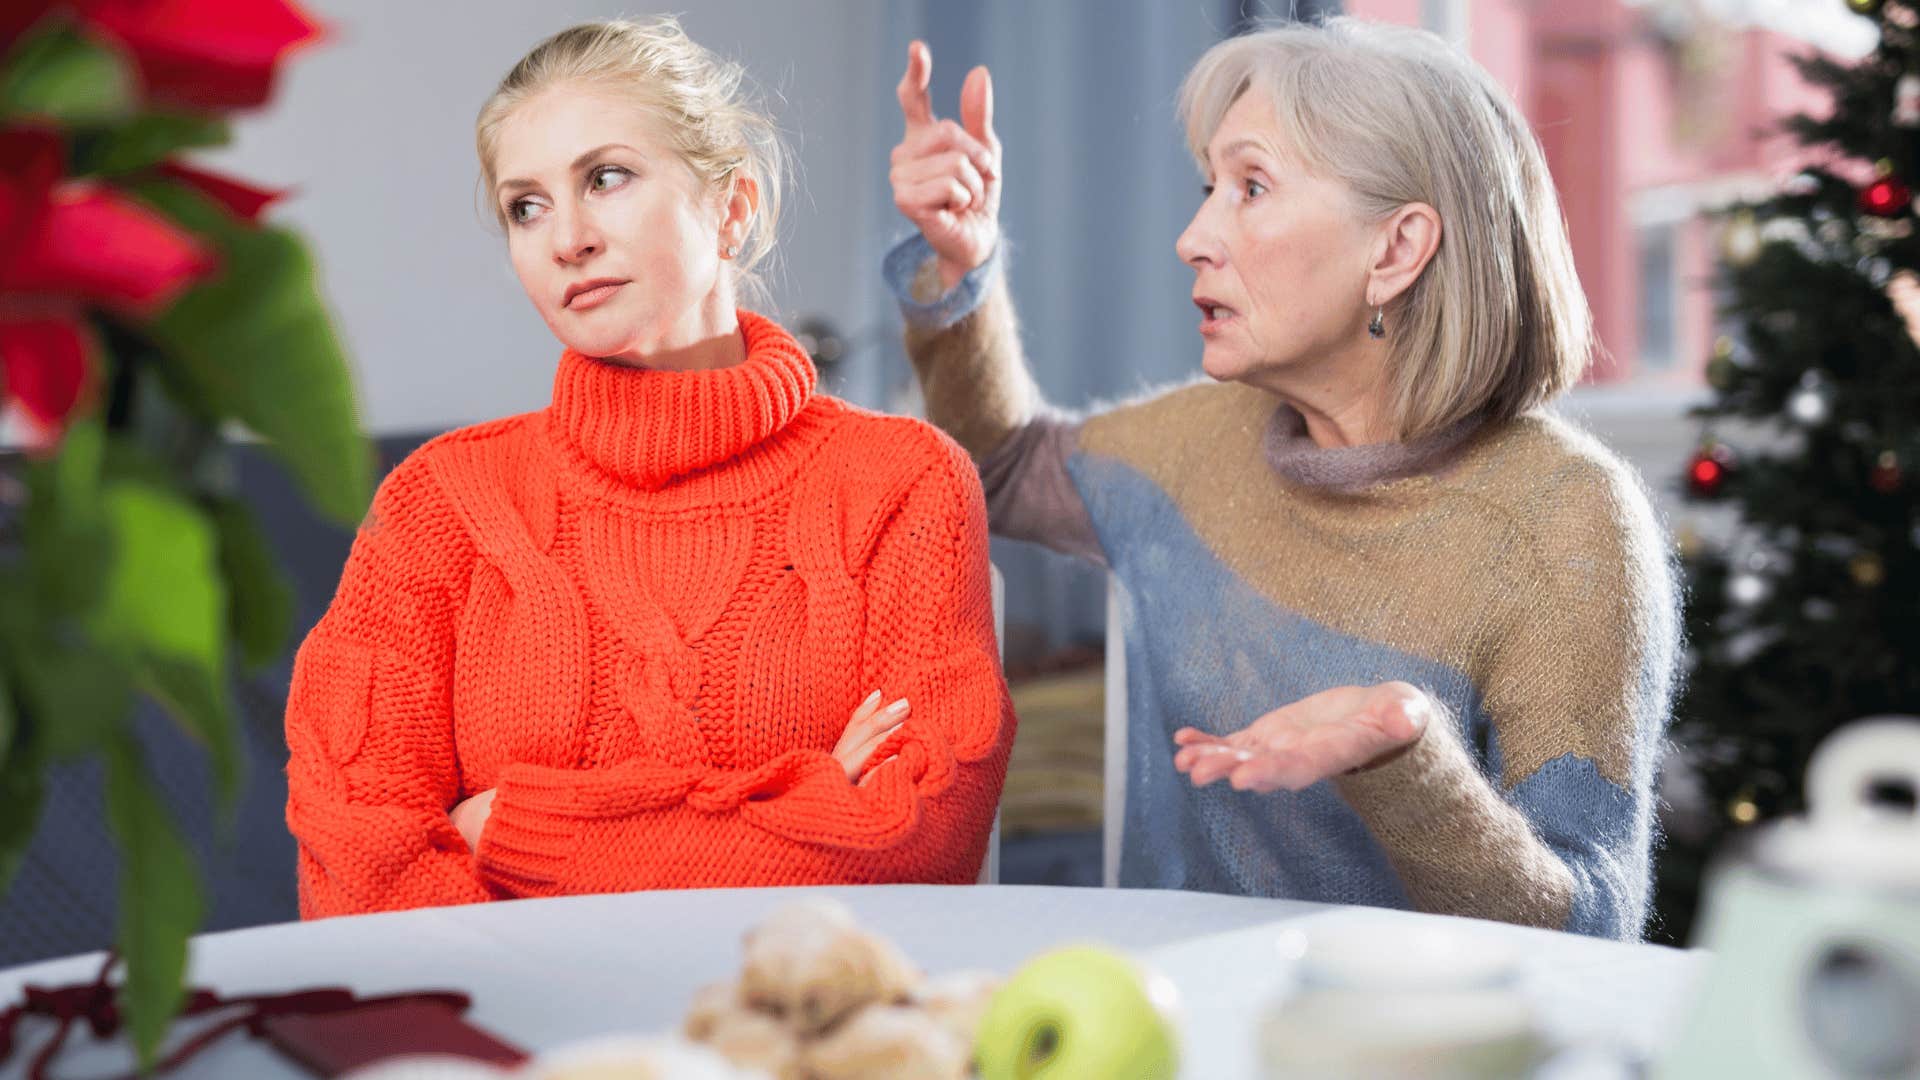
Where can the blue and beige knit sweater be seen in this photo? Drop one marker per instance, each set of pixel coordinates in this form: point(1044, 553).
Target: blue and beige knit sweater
point(1513, 572)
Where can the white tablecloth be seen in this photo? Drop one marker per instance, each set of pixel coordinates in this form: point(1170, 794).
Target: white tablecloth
point(543, 973)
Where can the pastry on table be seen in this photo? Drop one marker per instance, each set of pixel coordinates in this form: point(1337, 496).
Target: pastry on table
point(711, 1004)
point(757, 1040)
point(889, 1042)
point(812, 965)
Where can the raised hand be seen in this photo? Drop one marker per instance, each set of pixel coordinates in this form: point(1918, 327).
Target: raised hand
point(1319, 736)
point(946, 176)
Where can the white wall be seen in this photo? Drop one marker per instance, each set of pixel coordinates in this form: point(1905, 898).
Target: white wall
point(375, 130)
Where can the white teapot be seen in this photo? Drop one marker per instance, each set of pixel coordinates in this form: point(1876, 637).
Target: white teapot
point(1815, 929)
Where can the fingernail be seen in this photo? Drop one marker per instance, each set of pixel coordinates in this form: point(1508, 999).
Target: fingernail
point(871, 699)
point(898, 708)
point(1243, 755)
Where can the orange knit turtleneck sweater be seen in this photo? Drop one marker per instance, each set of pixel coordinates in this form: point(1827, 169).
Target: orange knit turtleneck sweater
point(645, 615)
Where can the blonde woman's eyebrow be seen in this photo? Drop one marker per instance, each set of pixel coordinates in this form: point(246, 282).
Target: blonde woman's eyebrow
point(578, 163)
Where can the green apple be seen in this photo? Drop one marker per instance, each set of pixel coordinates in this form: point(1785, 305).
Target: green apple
point(1080, 1013)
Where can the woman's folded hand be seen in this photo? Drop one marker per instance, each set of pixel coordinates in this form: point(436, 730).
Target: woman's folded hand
point(870, 726)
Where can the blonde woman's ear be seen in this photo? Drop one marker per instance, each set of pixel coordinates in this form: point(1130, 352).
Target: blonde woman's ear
point(743, 202)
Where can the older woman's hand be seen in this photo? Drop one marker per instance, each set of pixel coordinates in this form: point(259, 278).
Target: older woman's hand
point(946, 176)
point(1329, 733)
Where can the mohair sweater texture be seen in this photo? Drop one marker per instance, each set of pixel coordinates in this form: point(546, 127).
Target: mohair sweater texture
point(1513, 571)
point(644, 615)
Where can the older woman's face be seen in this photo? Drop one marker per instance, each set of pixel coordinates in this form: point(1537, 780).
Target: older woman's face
point(614, 238)
point(1279, 254)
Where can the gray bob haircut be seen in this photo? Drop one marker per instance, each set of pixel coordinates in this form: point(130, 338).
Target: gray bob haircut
point(1496, 324)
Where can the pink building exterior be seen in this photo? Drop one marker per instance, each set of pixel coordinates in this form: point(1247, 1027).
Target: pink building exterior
point(1643, 132)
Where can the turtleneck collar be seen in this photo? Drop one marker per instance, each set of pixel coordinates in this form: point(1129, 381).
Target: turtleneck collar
point(645, 427)
point(1348, 469)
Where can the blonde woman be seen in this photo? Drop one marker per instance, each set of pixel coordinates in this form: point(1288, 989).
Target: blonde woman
point(616, 643)
point(1421, 629)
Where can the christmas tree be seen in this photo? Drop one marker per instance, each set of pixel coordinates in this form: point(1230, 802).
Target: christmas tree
point(1808, 616)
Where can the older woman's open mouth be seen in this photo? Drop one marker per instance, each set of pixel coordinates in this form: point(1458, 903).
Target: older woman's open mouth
point(1213, 314)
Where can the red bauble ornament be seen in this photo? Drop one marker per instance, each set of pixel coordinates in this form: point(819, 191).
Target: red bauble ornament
point(1886, 197)
point(1885, 476)
point(1707, 472)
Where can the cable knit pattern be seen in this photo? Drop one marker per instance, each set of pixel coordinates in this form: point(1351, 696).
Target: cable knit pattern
point(644, 616)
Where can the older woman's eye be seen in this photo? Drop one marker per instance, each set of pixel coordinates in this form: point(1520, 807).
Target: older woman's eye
point(1255, 189)
point(608, 177)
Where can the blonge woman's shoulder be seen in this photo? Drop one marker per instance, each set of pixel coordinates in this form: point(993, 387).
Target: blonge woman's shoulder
point(904, 446)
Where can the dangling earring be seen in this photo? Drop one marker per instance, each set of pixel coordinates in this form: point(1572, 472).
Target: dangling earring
point(1378, 327)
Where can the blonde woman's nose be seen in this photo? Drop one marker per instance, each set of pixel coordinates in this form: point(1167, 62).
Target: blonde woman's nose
point(574, 237)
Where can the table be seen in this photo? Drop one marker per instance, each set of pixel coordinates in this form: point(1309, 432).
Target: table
point(543, 973)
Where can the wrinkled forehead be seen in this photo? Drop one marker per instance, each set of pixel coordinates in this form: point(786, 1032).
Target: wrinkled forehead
point(1249, 122)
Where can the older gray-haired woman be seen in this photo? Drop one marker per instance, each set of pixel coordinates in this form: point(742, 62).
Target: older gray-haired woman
point(1424, 629)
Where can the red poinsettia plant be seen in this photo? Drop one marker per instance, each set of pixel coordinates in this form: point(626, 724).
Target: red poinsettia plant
point(146, 313)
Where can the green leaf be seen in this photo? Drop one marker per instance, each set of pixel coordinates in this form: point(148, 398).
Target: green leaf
point(160, 900)
point(59, 75)
point(75, 695)
point(9, 721)
point(255, 343)
point(22, 790)
point(65, 539)
point(144, 141)
point(198, 699)
point(162, 593)
point(259, 597)
point(21, 787)
point(164, 610)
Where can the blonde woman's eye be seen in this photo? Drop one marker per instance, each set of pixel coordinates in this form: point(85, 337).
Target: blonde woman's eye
point(608, 177)
point(1255, 189)
point(518, 210)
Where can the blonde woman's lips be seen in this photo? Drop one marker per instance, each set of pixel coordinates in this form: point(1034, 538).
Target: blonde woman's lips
point(593, 296)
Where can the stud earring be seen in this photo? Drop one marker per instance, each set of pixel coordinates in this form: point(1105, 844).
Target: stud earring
point(729, 251)
point(1378, 327)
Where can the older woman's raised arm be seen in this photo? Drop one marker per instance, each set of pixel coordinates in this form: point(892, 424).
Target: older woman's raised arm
point(962, 335)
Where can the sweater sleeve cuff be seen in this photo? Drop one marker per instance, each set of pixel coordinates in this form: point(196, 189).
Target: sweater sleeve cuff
point(902, 270)
point(1414, 785)
point(530, 835)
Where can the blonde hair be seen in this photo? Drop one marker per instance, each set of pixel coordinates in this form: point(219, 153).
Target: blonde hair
point(719, 131)
point(1497, 323)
